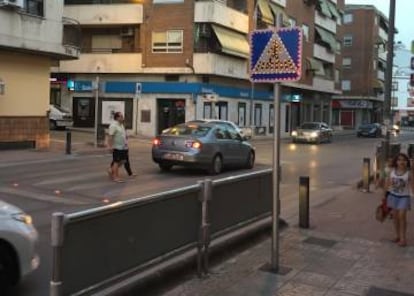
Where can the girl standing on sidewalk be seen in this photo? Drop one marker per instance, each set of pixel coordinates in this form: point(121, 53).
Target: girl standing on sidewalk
point(400, 183)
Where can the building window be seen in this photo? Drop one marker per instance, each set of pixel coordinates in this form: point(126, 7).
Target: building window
point(346, 62)
point(394, 85)
point(34, 7)
point(305, 30)
point(337, 73)
point(348, 18)
point(242, 114)
point(347, 40)
point(346, 85)
point(167, 42)
point(106, 43)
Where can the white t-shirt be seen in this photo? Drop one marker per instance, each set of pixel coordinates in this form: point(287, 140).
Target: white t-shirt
point(400, 183)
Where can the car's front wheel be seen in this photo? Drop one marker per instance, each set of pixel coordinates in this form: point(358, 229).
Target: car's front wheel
point(8, 268)
point(216, 165)
point(250, 160)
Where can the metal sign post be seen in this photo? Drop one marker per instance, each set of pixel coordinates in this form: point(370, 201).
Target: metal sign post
point(276, 56)
point(96, 89)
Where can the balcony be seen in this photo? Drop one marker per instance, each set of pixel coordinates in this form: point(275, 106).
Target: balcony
point(213, 12)
point(101, 14)
point(36, 34)
point(381, 75)
point(382, 34)
point(325, 22)
point(103, 63)
point(210, 63)
point(322, 53)
point(324, 85)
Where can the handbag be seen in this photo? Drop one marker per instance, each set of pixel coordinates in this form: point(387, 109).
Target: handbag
point(382, 211)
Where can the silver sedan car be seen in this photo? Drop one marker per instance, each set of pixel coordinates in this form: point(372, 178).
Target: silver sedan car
point(315, 132)
point(210, 146)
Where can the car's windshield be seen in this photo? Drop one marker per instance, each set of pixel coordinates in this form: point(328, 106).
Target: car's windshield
point(189, 129)
point(310, 125)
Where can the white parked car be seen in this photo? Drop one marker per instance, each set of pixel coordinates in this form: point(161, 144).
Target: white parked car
point(59, 117)
point(18, 239)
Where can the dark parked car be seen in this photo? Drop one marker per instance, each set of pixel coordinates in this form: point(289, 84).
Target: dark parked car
point(370, 130)
point(210, 146)
point(315, 132)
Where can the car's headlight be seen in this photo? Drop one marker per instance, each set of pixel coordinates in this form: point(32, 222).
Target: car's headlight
point(294, 133)
point(26, 219)
point(314, 134)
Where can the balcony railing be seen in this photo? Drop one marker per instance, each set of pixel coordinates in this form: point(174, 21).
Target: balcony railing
point(71, 36)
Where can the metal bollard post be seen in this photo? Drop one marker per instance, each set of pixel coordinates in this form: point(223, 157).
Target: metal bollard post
point(68, 142)
point(304, 202)
point(57, 243)
point(366, 174)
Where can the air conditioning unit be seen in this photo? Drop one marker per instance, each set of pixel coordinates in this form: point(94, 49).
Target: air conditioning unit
point(127, 31)
point(12, 3)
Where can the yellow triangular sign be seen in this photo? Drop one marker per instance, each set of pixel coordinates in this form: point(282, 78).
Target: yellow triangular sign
point(275, 59)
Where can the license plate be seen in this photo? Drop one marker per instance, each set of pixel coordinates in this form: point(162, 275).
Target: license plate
point(173, 156)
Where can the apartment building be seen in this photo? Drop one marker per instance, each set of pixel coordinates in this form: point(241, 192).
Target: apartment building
point(402, 93)
point(31, 39)
point(363, 67)
point(164, 62)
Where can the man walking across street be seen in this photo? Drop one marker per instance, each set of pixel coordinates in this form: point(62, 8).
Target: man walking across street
point(117, 142)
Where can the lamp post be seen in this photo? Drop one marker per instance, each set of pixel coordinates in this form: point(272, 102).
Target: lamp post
point(388, 80)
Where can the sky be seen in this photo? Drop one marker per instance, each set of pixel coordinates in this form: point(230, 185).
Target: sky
point(403, 17)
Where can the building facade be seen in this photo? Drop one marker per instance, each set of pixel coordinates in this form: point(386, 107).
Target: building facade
point(365, 35)
point(402, 92)
point(165, 62)
point(31, 39)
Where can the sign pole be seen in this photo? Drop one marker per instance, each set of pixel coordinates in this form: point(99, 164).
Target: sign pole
point(276, 179)
point(276, 169)
point(276, 56)
point(96, 88)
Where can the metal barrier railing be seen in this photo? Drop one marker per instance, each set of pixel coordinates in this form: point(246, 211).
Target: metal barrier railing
point(98, 248)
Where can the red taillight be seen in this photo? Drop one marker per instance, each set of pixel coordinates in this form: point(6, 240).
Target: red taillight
point(156, 142)
point(193, 144)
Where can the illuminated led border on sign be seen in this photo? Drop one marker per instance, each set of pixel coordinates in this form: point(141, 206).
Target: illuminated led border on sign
point(288, 42)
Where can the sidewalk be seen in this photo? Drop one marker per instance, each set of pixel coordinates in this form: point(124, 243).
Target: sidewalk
point(345, 252)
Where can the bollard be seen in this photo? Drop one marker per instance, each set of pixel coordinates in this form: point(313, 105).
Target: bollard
point(366, 174)
point(304, 202)
point(68, 142)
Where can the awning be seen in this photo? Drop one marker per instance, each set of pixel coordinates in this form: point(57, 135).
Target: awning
point(232, 42)
point(277, 10)
point(315, 65)
point(334, 11)
point(378, 84)
point(265, 11)
point(327, 37)
point(323, 4)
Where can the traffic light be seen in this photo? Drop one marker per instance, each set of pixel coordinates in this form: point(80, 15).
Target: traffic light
point(412, 63)
point(412, 79)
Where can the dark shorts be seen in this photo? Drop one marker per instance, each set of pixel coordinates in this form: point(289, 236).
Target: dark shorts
point(119, 156)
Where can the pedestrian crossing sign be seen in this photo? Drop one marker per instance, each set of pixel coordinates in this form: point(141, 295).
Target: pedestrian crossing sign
point(276, 55)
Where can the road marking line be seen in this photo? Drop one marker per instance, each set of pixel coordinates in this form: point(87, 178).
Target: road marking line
point(40, 196)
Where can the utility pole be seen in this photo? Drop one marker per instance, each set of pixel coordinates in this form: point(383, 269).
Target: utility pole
point(388, 81)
